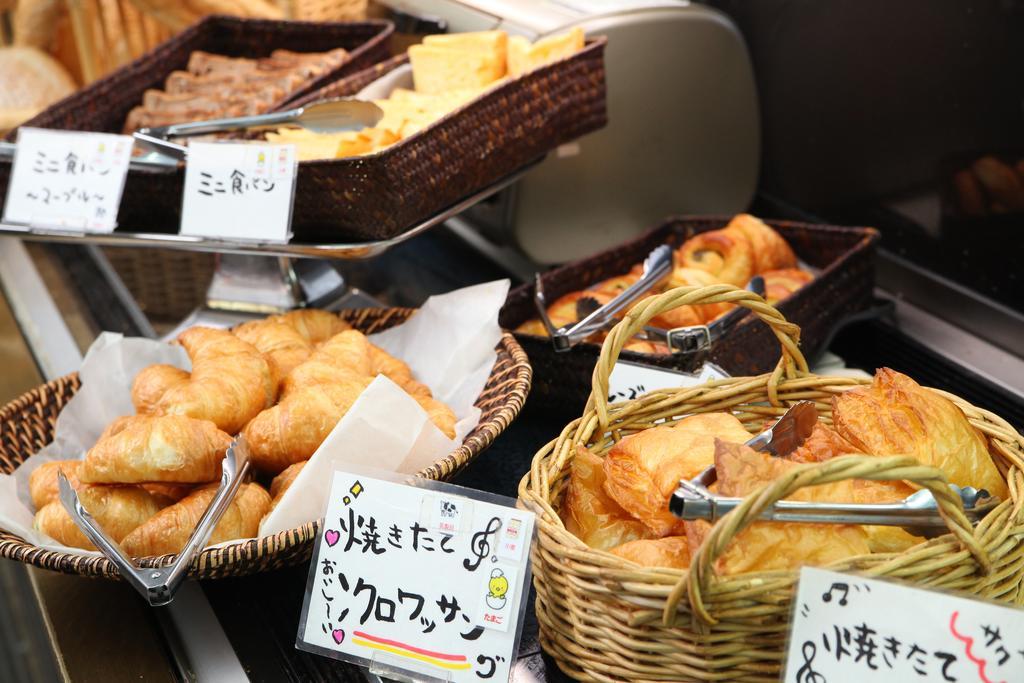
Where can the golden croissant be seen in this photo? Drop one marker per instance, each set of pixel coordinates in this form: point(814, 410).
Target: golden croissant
point(592, 515)
point(283, 347)
point(671, 551)
point(315, 326)
point(117, 509)
point(42, 483)
point(284, 481)
point(167, 448)
point(644, 469)
point(897, 416)
point(771, 251)
point(169, 530)
point(230, 382)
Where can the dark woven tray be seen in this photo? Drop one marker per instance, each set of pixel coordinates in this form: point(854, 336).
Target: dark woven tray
point(26, 425)
point(846, 257)
point(152, 200)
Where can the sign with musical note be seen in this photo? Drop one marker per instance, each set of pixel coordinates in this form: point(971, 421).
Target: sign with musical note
point(66, 179)
point(239, 191)
point(850, 629)
point(428, 581)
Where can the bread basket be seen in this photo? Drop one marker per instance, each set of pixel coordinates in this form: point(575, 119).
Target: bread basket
point(26, 424)
point(603, 618)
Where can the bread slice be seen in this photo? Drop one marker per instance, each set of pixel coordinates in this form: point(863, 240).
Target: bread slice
point(494, 43)
point(523, 57)
point(440, 69)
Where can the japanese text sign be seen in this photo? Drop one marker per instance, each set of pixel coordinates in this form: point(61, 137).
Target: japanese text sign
point(67, 179)
point(631, 380)
point(239, 191)
point(850, 629)
point(421, 582)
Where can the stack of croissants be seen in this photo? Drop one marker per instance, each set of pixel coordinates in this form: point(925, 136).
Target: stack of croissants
point(620, 503)
point(283, 383)
point(742, 249)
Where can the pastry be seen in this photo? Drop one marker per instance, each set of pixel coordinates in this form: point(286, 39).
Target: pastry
point(771, 252)
point(314, 325)
point(592, 515)
point(686, 316)
point(168, 449)
point(726, 254)
point(34, 21)
point(779, 284)
point(30, 81)
point(171, 493)
point(42, 483)
point(671, 551)
point(767, 546)
point(169, 530)
point(281, 344)
point(897, 416)
point(230, 382)
point(117, 509)
point(644, 469)
point(1001, 183)
point(284, 481)
point(180, 14)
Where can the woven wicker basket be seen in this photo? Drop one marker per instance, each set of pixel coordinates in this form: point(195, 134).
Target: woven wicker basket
point(603, 618)
point(26, 425)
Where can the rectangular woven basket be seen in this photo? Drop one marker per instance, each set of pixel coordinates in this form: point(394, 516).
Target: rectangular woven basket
point(843, 287)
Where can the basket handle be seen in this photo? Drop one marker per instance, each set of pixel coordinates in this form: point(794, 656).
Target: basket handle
point(875, 468)
point(788, 334)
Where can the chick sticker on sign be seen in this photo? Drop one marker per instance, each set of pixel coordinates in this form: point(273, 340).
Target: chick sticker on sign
point(425, 580)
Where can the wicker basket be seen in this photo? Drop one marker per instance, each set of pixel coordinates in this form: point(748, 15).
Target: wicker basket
point(603, 618)
point(168, 284)
point(26, 425)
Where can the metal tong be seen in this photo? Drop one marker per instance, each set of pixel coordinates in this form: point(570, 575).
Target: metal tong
point(918, 513)
point(158, 584)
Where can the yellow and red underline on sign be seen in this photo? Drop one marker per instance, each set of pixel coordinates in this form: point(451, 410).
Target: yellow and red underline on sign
point(441, 659)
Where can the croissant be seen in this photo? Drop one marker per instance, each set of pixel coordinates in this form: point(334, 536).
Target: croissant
point(771, 251)
point(42, 483)
point(283, 347)
point(767, 546)
point(592, 515)
point(779, 284)
point(897, 416)
point(671, 551)
point(171, 493)
point(687, 316)
point(230, 382)
point(169, 448)
point(284, 481)
point(152, 383)
point(117, 509)
point(292, 430)
point(169, 530)
point(315, 326)
point(726, 254)
point(644, 468)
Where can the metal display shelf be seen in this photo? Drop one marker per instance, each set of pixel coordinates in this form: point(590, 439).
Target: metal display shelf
point(356, 250)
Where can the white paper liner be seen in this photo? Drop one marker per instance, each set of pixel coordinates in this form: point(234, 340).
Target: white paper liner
point(449, 345)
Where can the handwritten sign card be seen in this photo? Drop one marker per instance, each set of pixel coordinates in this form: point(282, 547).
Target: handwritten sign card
point(67, 179)
point(423, 582)
point(239, 191)
point(632, 380)
point(848, 629)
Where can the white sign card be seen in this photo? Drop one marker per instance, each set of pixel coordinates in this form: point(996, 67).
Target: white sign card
point(849, 629)
point(239, 191)
point(632, 380)
point(67, 179)
point(423, 582)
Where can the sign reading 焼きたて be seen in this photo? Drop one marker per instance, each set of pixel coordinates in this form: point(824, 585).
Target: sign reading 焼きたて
point(426, 581)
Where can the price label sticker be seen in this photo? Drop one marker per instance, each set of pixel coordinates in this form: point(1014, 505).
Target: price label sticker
point(632, 380)
point(67, 180)
point(394, 593)
point(239, 191)
point(849, 629)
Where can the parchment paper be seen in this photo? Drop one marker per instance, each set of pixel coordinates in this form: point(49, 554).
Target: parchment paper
point(449, 344)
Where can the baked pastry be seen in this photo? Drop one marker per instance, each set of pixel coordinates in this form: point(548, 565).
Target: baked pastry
point(30, 81)
point(230, 382)
point(169, 449)
point(779, 284)
point(314, 325)
point(897, 416)
point(725, 253)
point(117, 509)
point(767, 546)
point(42, 483)
point(592, 515)
point(671, 551)
point(644, 469)
point(284, 481)
point(281, 344)
point(169, 530)
point(687, 316)
point(33, 22)
point(1001, 183)
point(178, 15)
point(171, 493)
point(771, 251)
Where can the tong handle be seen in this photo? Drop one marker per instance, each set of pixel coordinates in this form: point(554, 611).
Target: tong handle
point(256, 121)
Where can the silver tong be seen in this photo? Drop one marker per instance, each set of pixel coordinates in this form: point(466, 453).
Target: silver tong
point(158, 584)
point(594, 318)
point(918, 513)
